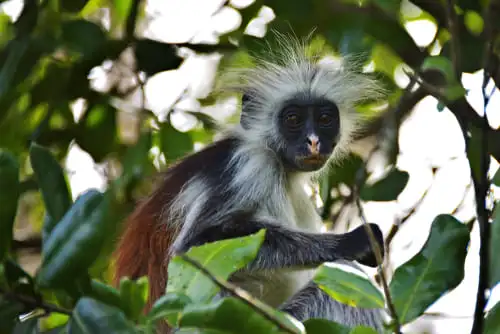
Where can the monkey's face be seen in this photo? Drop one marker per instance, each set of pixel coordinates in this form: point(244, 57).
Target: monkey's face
point(309, 128)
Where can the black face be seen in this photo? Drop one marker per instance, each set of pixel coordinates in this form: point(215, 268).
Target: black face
point(310, 128)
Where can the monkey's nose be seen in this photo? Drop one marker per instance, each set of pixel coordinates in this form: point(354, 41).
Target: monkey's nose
point(313, 144)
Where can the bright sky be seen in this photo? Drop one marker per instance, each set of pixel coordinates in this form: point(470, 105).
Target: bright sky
point(427, 138)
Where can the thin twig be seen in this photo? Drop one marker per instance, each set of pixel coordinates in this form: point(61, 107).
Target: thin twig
point(378, 255)
point(238, 293)
point(455, 37)
point(34, 303)
point(481, 187)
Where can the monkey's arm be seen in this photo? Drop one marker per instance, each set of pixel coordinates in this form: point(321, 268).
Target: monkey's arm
point(284, 247)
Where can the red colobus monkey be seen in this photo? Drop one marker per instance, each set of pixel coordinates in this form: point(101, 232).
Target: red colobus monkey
point(297, 120)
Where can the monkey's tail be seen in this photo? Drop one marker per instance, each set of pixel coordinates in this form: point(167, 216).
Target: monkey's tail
point(143, 250)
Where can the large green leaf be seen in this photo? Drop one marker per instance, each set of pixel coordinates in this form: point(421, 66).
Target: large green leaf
point(53, 185)
point(495, 247)
point(231, 315)
point(174, 143)
point(436, 269)
point(348, 288)
point(222, 258)
point(105, 293)
point(9, 195)
point(91, 316)
point(76, 240)
point(387, 189)
point(492, 321)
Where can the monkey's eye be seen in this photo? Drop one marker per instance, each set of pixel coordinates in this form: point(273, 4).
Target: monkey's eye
point(325, 120)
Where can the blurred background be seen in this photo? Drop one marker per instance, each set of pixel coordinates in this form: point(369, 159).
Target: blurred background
point(90, 87)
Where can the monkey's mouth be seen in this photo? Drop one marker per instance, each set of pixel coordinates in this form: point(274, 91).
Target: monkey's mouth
point(312, 161)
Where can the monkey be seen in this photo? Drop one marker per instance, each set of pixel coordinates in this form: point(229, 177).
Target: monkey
point(297, 121)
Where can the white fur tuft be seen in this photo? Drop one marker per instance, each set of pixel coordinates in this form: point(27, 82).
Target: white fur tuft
point(294, 70)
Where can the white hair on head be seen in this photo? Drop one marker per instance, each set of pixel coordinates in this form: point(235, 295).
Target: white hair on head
point(294, 69)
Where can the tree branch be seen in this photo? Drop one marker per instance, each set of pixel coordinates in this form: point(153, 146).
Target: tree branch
point(238, 293)
point(34, 303)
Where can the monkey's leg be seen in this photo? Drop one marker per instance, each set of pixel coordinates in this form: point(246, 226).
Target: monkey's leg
point(312, 302)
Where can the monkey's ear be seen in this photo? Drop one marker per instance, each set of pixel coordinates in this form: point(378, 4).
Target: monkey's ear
point(245, 113)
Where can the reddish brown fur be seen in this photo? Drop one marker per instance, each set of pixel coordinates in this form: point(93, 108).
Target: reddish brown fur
point(145, 242)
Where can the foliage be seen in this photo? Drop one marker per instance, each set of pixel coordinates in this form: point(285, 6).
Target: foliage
point(46, 57)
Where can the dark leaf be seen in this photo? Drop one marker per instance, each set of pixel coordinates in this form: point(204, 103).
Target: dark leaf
point(91, 316)
point(83, 37)
point(496, 178)
point(492, 321)
point(320, 326)
point(98, 131)
point(76, 240)
point(435, 270)
point(174, 144)
point(9, 313)
point(9, 195)
point(53, 186)
point(349, 288)
point(387, 189)
point(27, 327)
point(153, 56)
point(73, 6)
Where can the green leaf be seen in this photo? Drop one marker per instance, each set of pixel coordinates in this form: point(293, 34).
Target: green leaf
point(73, 6)
point(221, 258)
point(320, 326)
point(91, 316)
point(492, 321)
point(98, 131)
point(136, 161)
point(387, 189)
point(494, 269)
point(474, 151)
point(348, 288)
point(9, 195)
point(170, 304)
point(121, 10)
point(153, 57)
point(474, 22)
point(228, 316)
point(105, 293)
point(436, 269)
point(76, 240)
point(83, 37)
point(496, 178)
point(174, 144)
point(53, 186)
point(441, 64)
point(389, 6)
point(454, 92)
point(9, 312)
point(134, 295)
